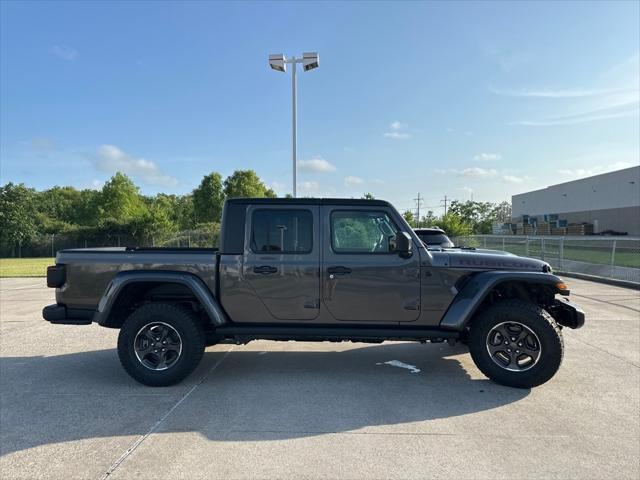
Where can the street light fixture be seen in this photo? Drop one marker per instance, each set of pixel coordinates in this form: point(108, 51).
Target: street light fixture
point(278, 62)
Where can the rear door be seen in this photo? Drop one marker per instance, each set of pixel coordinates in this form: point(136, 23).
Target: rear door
point(364, 279)
point(282, 260)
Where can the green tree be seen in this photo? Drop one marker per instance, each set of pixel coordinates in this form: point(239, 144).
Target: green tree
point(121, 200)
point(368, 196)
point(410, 218)
point(246, 183)
point(477, 214)
point(454, 225)
point(428, 220)
point(208, 199)
point(17, 216)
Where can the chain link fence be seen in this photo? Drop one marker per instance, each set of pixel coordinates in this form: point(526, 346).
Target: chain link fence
point(48, 245)
point(610, 257)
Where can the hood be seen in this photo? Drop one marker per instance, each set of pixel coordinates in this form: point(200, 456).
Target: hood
point(470, 250)
point(488, 260)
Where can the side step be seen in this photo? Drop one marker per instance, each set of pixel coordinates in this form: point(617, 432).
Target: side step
point(246, 333)
point(61, 315)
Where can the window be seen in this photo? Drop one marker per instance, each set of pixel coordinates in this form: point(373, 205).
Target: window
point(282, 231)
point(362, 232)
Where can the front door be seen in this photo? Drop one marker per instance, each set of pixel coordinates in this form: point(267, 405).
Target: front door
point(364, 279)
point(282, 260)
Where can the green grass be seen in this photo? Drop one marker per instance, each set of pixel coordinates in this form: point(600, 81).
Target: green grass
point(627, 254)
point(24, 267)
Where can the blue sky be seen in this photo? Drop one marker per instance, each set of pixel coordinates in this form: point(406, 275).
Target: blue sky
point(442, 98)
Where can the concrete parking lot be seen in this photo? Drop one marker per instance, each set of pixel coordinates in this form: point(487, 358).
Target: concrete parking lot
point(316, 410)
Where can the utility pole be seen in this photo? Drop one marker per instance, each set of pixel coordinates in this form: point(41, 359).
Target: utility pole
point(418, 204)
point(445, 204)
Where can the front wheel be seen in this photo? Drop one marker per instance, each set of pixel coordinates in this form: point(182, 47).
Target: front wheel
point(160, 344)
point(516, 343)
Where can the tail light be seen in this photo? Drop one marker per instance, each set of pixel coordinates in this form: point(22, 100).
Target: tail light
point(56, 276)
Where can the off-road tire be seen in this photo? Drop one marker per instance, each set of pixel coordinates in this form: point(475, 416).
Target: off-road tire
point(537, 320)
point(179, 318)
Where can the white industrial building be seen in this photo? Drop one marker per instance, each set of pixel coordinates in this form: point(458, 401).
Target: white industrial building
point(610, 201)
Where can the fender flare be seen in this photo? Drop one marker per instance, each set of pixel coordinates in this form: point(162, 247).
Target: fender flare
point(193, 283)
point(478, 287)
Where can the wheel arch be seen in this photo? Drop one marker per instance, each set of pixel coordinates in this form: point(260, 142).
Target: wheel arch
point(480, 290)
point(128, 289)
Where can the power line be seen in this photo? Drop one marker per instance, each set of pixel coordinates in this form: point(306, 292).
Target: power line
point(445, 204)
point(418, 201)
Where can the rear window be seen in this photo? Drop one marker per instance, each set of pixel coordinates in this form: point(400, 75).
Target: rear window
point(433, 238)
point(282, 231)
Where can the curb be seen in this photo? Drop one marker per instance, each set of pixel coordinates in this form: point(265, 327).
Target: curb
point(608, 281)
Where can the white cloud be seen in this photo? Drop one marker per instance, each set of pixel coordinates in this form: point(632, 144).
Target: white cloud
point(64, 52)
point(468, 190)
point(278, 186)
point(594, 170)
point(615, 94)
point(397, 135)
point(96, 185)
point(558, 93)
point(111, 159)
point(43, 144)
point(477, 172)
point(351, 181)
point(613, 107)
point(397, 132)
point(512, 179)
point(309, 187)
point(487, 157)
point(316, 165)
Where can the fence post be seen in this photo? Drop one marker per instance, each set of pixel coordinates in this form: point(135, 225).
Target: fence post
point(53, 251)
point(561, 253)
point(542, 248)
point(503, 246)
point(485, 241)
point(526, 246)
point(613, 257)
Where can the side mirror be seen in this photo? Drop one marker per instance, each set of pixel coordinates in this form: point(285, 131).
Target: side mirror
point(403, 244)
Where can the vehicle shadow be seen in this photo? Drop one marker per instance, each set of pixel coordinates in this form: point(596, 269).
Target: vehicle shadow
point(250, 395)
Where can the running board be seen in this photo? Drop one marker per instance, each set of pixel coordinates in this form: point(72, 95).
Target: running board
point(245, 333)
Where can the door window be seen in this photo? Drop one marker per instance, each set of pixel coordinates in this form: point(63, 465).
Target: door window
point(281, 231)
point(362, 231)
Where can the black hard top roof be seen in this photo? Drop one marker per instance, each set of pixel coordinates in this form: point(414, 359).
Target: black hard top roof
point(309, 201)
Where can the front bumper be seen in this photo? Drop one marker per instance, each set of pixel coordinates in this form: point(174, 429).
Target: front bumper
point(567, 313)
point(61, 315)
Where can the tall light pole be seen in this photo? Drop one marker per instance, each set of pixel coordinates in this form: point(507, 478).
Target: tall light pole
point(309, 61)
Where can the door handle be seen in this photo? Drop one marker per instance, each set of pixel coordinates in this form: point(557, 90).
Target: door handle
point(338, 270)
point(265, 269)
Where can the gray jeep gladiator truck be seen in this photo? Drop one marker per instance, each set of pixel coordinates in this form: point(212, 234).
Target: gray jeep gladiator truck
point(315, 270)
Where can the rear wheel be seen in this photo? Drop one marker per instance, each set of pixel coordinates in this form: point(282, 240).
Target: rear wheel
point(516, 343)
point(160, 344)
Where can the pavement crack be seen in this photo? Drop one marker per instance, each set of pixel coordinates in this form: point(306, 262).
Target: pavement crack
point(156, 425)
point(608, 353)
point(608, 303)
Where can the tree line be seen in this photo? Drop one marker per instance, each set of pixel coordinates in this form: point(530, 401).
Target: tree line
point(464, 218)
point(117, 209)
point(88, 217)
